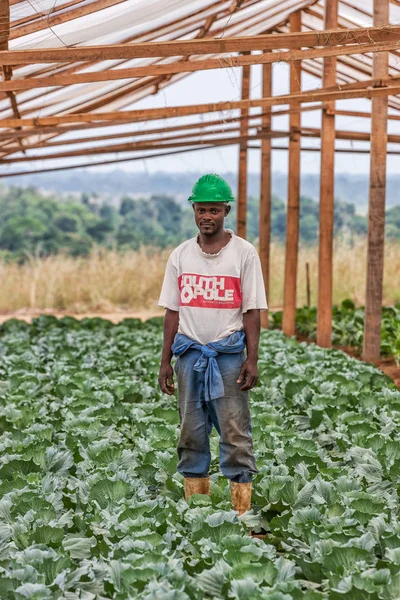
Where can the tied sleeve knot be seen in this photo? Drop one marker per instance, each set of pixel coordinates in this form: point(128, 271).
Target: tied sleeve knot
point(208, 352)
point(214, 386)
point(207, 363)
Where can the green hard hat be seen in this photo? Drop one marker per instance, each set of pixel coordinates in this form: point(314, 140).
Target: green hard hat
point(211, 188)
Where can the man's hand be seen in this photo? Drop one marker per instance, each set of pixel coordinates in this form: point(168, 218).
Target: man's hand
point(166, 379)
point(249, 372)
point(248, 375)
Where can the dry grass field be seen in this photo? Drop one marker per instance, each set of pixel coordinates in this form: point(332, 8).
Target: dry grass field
point(106, 281)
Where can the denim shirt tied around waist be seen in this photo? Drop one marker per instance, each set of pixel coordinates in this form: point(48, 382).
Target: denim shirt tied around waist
point(207, 363)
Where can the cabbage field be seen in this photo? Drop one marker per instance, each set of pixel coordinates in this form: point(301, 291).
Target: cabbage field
point(348, 326)
point(91, 506)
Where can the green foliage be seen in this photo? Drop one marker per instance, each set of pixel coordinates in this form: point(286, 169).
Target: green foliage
point(348, 326)
point(31, 223)
point(91, 506)
point(393, 223)
point(157, 221)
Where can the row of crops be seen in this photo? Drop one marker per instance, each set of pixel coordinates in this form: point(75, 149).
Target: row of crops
point(91, 506)
point(348, 326)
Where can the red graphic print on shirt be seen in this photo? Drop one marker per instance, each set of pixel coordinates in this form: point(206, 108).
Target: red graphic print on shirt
point(210, 291)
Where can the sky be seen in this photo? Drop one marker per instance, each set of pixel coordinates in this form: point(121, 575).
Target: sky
point(224, 84)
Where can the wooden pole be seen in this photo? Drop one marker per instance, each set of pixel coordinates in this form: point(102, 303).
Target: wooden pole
point(13, 134)
point(293, 204)
point(136, 157)
point(337, 150)
point(306, 39)
point(4, 25)
point(327, 200)
point(140, 145)
point(346, 92)
point(241, 215)
point(189, 140)
point(265, 189)
point(49, 20)
point(198, 129)
point(308, 285)
point(190, 66)
point(377, 199)
point(194, 138)
point(362, 115)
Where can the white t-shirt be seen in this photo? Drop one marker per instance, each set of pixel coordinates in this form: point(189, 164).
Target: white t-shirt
point(212, 291)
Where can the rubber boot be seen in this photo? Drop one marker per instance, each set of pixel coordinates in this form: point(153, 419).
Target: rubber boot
point(196, 485)
point(241, 496)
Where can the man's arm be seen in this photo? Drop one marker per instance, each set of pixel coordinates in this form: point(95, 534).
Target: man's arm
point(249, 371)
point(166, 375)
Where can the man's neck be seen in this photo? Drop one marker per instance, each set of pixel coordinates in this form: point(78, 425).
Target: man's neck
point(212, 244)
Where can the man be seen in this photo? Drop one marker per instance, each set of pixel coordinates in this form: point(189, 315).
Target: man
point(213, 292)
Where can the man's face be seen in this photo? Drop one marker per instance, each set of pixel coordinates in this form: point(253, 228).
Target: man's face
point(209, 216)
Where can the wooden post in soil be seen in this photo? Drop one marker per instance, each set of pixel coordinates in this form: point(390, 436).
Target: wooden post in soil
point(241, 215)
point(293, 204)
point(265, 188)
point(377, 199)
point(327, 198)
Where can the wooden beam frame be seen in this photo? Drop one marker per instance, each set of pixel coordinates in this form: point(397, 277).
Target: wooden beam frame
point(174, 30)
point(190, 24)
point(321, 95)
point(361, 114)
point(51, 20)
point(4, 38)
point(293, 202)
point(192, 138)
point(353, 136)
point(265, 190)
point(377, 200)
point(189, 66)
point(337, 150)
point(199, 137)
point(197, 127)
point(139, 84)
point(173, 142)
point(12, 134)
point(81, 165)
point(127, 89)
point(308, 39)
point(4, 25)
point(241, 214)
point(327, 196)
point(59, 131)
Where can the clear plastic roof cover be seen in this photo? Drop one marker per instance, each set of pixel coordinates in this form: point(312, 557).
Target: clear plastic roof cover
point(36, 24)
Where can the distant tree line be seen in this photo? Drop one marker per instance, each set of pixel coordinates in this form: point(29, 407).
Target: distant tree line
point(32, 224)
point(115, 183)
